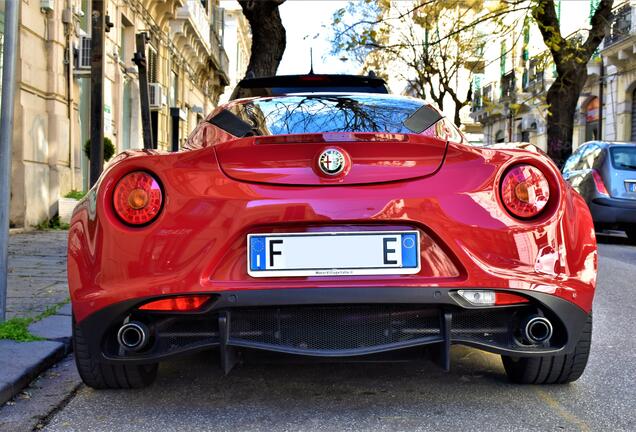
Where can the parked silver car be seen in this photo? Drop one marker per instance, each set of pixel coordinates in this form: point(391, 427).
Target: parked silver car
point(604, 173)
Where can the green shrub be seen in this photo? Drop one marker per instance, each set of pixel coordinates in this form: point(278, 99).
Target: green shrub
point(75, 194)
point(109, 149)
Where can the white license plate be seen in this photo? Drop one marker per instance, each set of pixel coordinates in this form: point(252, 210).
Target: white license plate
point(333, 253)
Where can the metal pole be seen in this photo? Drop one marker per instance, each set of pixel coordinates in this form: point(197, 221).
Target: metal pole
point(144, 98)
point(6, 134)
point(97, 89)
point(601, 83)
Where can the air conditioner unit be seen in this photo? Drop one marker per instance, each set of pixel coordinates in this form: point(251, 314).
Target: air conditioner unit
point(156, 96)
point(84, 53)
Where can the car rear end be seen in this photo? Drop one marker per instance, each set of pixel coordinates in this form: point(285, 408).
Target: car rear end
point(613, 204)
point(251, 246)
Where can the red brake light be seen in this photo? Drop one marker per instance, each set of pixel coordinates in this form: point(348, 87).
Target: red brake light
point(137, 198)
point(183, 303)
point(525, 191)
point(598, 182)
point(502, 298)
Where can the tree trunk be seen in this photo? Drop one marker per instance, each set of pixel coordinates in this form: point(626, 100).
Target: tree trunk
point(562, 98)
point(268, 36)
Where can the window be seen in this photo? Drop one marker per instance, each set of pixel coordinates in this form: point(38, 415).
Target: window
point(588, 157)
point(126, 41)
point(624, 158)
point(174, 89)
point(317, 114)
point(153, 65)
point(499, 136)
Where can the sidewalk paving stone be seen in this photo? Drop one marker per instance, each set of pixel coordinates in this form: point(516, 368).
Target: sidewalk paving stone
point(56, 328)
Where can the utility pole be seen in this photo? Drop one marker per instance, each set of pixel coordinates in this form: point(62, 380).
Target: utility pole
point(98, 26)
point(6, 134)
point(144, 98)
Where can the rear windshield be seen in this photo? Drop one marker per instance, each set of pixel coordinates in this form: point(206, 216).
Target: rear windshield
point(333, 113)
point(624, 158)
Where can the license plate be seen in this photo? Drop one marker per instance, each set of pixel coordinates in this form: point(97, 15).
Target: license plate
point(630, 185)
point(333, 253)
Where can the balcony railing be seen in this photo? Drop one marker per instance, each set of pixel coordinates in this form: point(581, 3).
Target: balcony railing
point(196, 14)
point(620, 24)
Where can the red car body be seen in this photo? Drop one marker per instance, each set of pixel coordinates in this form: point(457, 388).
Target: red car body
point(224, 188)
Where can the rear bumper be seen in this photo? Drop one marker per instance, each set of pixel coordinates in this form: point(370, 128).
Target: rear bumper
point(335, 322)
point(613, 211)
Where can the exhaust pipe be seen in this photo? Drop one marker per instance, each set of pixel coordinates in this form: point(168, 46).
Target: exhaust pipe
point(536, 329)
point(133, 336)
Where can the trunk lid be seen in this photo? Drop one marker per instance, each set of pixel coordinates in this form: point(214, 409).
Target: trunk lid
point(293, 159)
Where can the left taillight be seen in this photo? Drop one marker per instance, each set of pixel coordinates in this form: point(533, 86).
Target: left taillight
point(525, 191)
point(137, 198)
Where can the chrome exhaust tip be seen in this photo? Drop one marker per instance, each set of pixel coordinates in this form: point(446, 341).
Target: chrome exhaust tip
point(537, 329)
point(133, 336)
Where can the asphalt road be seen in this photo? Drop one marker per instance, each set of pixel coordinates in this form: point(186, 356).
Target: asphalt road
point(192, 394)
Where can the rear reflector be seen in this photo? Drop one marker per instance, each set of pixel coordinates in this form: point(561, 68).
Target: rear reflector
point(491, 298)
point(182, 303)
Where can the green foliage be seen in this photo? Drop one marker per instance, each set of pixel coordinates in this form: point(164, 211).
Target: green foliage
point(52, 224)
point(75, 194)
point(17, 329)
point(109, 149)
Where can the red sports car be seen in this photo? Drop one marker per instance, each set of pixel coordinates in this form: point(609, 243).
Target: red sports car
point(330, 225)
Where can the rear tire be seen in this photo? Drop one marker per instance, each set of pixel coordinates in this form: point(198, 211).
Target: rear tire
point(631, 235)
point(558, 369)
point(100, 375)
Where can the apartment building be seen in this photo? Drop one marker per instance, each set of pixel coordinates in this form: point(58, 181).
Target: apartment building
point(237, 40)
point(509, 97)
point(188, 71)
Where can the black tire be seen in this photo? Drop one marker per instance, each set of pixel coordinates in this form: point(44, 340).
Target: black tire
point(631, 235)
point(100, 375)
point(559, 369)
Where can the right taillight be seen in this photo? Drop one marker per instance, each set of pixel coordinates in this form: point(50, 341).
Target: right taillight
point(598, 182)
point(137, 198)
point(525, 191)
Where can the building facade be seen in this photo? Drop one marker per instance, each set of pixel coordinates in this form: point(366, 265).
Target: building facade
point(237, 40)
point(510, 96)
point(187, 71)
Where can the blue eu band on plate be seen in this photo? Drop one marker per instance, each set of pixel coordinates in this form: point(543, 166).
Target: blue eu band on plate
point(333, 253)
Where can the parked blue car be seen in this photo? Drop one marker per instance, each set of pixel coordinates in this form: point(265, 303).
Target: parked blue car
point(604, 173)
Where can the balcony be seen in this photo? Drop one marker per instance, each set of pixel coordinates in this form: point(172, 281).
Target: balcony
point(194, 14)
point(620, 25)
point(619, 45)
point(482, 101)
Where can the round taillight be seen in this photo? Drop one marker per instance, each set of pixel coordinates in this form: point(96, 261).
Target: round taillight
point(137, 198)
point(525, 191)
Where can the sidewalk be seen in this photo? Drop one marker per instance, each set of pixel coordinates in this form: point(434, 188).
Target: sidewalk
point(37, 281)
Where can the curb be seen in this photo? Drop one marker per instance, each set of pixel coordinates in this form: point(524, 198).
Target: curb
point(22, 362)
